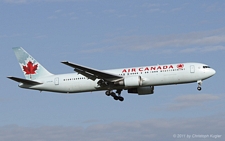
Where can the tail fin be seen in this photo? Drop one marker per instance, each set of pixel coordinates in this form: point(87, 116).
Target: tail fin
point(31, 68)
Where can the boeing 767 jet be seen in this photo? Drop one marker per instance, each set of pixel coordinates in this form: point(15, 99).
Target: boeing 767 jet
point(137, 80)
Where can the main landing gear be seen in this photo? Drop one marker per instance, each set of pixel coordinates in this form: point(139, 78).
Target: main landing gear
point(116, 96)
point(199, 85)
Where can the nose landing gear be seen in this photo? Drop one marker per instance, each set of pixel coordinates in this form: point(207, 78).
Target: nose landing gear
point(199, 85)
point(114, 95)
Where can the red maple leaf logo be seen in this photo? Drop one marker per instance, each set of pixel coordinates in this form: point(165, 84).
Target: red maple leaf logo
point(180, 66)
point(30, 68)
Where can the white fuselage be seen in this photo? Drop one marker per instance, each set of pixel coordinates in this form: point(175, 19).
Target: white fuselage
point(151, 76)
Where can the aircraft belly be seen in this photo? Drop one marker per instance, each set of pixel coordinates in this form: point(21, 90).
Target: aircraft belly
point(82, 86)
point(66, 87)
point(166, 79)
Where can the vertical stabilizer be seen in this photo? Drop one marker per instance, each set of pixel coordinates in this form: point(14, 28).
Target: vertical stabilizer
point(30, 67)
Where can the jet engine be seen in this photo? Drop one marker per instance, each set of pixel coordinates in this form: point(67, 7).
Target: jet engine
point(142, 90)
point(131, 81)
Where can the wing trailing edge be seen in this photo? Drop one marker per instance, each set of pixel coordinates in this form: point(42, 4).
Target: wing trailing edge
point(93, 73)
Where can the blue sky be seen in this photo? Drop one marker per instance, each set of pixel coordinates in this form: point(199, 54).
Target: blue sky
point(112, 34)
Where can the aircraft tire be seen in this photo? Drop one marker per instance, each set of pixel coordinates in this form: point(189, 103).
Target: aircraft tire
point(121, 98)
point(116, 97)
point(107, 94)
point(199, 88)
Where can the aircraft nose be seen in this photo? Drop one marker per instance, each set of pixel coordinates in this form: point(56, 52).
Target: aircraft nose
point(213, 71)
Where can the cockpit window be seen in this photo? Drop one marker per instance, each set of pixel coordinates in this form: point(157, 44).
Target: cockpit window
point(206, 67)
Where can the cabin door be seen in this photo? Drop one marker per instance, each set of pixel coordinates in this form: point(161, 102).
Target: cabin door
point(192, 69)
point(56, 81)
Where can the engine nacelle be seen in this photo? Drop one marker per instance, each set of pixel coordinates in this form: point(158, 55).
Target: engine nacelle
point(142, 90)
point(131, 81)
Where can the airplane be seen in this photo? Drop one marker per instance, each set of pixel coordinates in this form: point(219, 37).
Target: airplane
point(136, 80)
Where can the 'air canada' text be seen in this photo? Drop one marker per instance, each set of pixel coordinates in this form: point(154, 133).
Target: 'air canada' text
point(151, 68)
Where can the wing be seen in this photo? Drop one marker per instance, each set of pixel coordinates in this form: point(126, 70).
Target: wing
point(93, 73)
point(24, 81)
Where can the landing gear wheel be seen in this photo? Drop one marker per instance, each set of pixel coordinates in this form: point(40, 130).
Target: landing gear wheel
point(121, 98)
point(107, 93)
point(113, 94)
point(199, 88)
point(199, 85)
point(116, 97)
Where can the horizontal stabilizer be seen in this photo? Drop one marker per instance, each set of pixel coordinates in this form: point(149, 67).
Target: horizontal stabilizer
point(25, 81)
